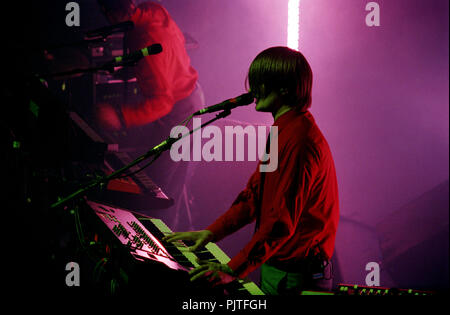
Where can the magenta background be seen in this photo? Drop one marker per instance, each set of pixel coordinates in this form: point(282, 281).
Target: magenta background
point(380, 96)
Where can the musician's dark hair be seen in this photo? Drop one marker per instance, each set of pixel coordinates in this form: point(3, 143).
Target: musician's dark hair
point(282, 69)
point(117, 5)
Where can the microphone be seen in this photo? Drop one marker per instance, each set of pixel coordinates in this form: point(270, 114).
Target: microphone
point(108, 30)
point(137, 55)
point(229, 104)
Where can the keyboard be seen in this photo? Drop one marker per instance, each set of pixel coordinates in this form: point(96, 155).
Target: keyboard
point(142, 236)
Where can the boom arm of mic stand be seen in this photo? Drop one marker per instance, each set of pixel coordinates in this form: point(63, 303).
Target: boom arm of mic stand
point(83, 43)
point(157, 150)
point(109, 66)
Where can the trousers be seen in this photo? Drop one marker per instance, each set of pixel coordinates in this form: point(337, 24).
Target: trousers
point(275, 281)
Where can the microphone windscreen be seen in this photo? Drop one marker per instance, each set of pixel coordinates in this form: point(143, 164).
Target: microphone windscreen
point(245, 99)
point(153, 49)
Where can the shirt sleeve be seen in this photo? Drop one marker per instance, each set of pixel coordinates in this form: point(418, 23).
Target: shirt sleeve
point(151, 75)
point(279, 224)
point(154, 73)
point(242, 211)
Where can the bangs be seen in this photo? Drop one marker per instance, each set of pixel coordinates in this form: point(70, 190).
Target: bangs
point(281, 67)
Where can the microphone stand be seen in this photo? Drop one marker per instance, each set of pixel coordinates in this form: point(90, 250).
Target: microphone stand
point(109, 66)
point(155, 151)
point(95, 36)
point(81, 43)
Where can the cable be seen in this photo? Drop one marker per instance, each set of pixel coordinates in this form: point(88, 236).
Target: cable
point(184, 122)
point(138, 170)
point(78, 228)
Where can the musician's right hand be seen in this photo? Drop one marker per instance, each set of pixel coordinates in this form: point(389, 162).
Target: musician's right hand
point(201, 238)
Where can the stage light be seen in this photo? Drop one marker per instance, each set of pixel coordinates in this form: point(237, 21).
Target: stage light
point(293, 24)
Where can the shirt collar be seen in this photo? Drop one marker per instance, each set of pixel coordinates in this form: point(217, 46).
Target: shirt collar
point(287, 117)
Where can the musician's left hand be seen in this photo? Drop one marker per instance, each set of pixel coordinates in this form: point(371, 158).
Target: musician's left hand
point(215, 273)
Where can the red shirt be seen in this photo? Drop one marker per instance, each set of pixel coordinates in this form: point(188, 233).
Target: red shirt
point(165, 78)
point(300, 205)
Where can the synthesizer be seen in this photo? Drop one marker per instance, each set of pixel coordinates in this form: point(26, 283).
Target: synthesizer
point(142, 237)
point(136, 191)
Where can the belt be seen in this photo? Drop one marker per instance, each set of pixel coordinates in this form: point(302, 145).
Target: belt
point(295, 266)
point(298, 265)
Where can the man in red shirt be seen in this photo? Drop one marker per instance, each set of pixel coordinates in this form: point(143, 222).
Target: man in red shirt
point(169, 91)
point(295, 207)
point(164, 79)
